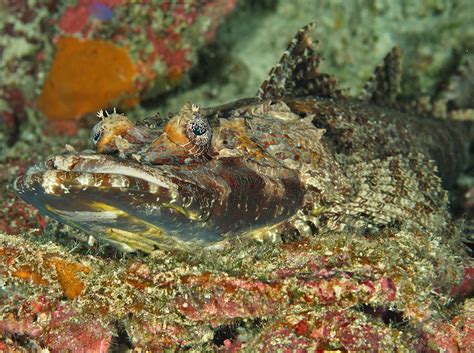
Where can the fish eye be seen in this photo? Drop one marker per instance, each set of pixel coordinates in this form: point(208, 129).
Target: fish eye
point(199, 131)
point(96, 133)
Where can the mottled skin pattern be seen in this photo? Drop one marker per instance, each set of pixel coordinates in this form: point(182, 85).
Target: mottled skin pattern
point(363, 132)
point(298, 160)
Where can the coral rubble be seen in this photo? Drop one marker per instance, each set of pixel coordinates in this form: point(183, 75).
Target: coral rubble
point(337, 292)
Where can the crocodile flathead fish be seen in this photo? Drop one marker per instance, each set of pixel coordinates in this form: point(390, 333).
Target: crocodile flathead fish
point(299, 159)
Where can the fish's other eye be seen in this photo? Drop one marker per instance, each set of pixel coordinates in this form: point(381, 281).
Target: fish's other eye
point(96, 133)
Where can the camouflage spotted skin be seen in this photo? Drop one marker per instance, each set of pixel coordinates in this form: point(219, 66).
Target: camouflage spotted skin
point(299, 159)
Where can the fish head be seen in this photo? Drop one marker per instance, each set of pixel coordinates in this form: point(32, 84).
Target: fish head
point(193, 185)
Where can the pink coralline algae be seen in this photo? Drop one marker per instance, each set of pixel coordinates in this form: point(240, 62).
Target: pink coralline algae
point(51, 321)
point(322, 294)
point(16, 216)
point(222, 299)
point(75, 18)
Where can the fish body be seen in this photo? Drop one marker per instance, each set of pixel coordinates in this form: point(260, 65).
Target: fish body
point(299, 159)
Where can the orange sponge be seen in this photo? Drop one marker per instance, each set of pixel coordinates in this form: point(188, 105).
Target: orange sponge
point(87, 75)
point(67, 276)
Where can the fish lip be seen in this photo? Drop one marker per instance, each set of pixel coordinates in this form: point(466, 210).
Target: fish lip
point(72, 173)
point(89, 162)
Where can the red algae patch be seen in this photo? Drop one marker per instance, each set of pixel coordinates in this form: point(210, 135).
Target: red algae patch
point(29, 274)
point(87, 75)
point(24, 272)
point(48, 270)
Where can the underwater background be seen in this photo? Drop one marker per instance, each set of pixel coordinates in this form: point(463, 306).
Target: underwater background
point(62, 61)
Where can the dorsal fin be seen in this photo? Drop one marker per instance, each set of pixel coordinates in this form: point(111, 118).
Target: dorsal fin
point(453, 99)
point(383, 86)
point(297, 73)
point(459, 89)
point(457, 94)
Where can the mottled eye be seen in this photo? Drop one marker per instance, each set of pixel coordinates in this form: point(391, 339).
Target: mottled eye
point(199, 134)
point(199, 129)
point(96, 133)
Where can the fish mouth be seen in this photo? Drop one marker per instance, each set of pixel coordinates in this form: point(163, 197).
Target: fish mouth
point(134, 206)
